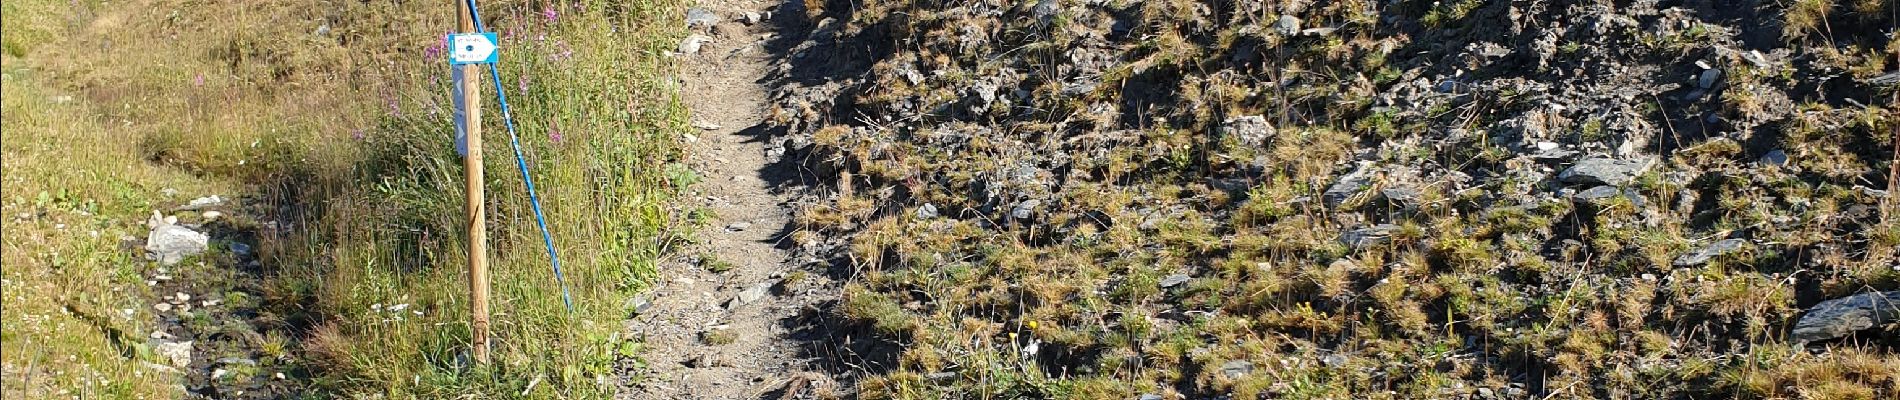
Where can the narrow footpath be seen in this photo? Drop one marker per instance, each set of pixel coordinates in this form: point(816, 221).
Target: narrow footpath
point(713, 327)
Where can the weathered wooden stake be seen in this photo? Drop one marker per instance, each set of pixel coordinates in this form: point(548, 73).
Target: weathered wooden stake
point(477, 229)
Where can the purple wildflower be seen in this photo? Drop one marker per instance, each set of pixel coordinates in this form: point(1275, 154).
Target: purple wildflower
point(394, 109)
point(357, 134)
point(435, 50)
point(566, 52)
point(550, 14)
point(200, 81)
point(554, 135)
point(523, 82)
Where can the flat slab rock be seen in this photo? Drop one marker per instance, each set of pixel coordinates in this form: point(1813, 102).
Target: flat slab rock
point(1606, 171)
point(1704, 255)
point(1840, 317)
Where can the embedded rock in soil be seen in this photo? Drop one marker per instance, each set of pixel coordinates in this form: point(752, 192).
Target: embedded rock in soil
point(170, 244)
point(1775, 158)
point(179, 353)
point(1174, 280)
point(1713, 250)
point(700, 18)
point(1606, 171)
point(1236, 368)
point(1368, 236)
point(1348, 186)
point(1840, 317)
point(1252, 131)
point(1287, 25)
point(691, 44)
point(1025, 209)
point(202, 203)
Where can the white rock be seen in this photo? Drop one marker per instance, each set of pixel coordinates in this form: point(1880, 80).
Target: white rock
point(179, 353)
point(691, 44)
point(170, 243)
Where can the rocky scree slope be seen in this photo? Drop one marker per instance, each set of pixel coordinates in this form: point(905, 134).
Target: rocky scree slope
point(1295, 199)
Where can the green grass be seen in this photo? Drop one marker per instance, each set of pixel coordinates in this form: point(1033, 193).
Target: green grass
point(64, 214)
point(349, 133)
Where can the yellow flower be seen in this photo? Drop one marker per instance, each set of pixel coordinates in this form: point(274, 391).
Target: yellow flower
point(1032, 325)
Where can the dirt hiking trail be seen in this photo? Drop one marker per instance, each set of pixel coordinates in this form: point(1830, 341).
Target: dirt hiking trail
point(716, 325)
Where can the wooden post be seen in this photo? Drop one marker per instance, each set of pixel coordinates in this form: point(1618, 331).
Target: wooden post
point(477, 229)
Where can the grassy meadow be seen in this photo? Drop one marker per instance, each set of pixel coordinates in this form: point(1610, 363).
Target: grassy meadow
point(329, 122)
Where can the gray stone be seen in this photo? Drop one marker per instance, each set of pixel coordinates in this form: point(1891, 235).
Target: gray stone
point(239, 248)
point(1236, 369)
point(752, 18)
point(179, 353)
point(201, 203)
point(738, 226)
point(237, 360)
point(1333, 360)
point(1046, 11)
point(1709, 78)
point(927, 211)
point(1606, 171)
point(1347, 186)
point(1404, 196)
point(1252, 131)
point(640, 304)
point(754, 293)
point(1840, 317)
point(170, 244)
point(1174, 280)
point(1774, 158)
point(700, 18)
point(943, 376)
point(1287, 25)
point(1149, 396)
point(1025, 209)
point(1597, 194)
point(985, 93)
point(1368, 236)
point(1710, 252)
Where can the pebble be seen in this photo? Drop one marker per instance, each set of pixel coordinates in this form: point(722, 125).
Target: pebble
point(1774, 158)
point(1287, 25)
point(162, 307)
point(1236, 368)
point(691, 44)
point(1174, 280)
point(738, 226)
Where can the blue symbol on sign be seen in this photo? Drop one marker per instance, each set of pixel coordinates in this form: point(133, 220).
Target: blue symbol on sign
point(473, 48)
